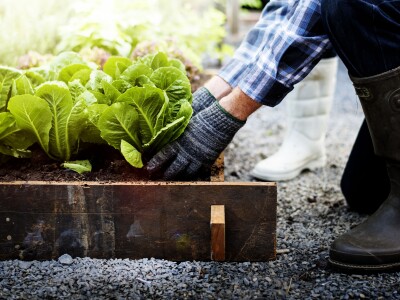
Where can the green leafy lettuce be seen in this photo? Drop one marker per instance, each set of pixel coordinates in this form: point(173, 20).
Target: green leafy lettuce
point(136, 107)
point(7, 77)
point(51, 117)
point(150, 105)
point(13, 141)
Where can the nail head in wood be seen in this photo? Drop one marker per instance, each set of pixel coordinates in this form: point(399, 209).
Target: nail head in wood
point(217, 232)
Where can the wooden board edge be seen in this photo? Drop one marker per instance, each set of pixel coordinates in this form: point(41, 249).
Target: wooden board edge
point(146, 183)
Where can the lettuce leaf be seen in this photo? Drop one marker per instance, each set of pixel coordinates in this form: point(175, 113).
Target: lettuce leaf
point(65, 59)
point(33, 115)
point(173, 82)
point(91, 132)
point(79, 166)
point(7, 77)
point(131, 154)
point(67, 73)
point(13, 141)
point(136, 107)
point(132, 73)
point(148, 102)
point(67, 118)
point(119, 122)
point(176, 124)
point(116, 65)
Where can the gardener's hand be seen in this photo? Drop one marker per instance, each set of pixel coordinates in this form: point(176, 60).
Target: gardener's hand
point(207, 135)
point(214, 89)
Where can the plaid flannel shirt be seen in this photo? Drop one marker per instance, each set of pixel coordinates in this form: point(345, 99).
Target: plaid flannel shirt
point(279, 51)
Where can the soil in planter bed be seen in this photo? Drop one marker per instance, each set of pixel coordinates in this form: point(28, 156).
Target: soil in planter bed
point(108, 165)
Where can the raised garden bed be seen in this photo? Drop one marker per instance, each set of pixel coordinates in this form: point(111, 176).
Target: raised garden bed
point(116, 210)
point(42, 220)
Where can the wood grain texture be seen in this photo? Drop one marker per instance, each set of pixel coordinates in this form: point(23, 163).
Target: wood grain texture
point(42, 220)
point(217, 224)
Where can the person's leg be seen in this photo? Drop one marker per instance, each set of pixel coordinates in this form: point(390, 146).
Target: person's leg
point(307, 110)
point(367, 41)
point(367, 36)
point(364, 172)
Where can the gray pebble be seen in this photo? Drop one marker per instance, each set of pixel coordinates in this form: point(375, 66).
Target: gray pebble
point(65, 259)
point(24, 264)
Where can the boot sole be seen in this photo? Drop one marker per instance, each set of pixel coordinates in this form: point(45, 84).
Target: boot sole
point(364, 268)
point(312, 165)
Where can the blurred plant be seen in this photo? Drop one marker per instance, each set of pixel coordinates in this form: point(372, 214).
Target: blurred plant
point(172, 50)
point(33, 59)
point(255, 4)
point(96, 55)
point(118, 27)
point(109, 28)
point(28, 25)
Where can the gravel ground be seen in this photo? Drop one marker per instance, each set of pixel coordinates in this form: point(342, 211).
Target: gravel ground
point(311, 213)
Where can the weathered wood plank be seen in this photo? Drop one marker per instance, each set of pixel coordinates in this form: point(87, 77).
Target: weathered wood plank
point(42, 220)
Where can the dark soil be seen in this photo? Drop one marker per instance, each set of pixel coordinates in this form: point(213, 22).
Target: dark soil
point(108, 165)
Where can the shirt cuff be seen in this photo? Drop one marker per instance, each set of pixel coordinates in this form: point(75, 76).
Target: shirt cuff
point(262, 87)
point(232, 72)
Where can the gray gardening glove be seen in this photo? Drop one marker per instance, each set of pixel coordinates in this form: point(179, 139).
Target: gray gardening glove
point(207, 135)
point(202, 98)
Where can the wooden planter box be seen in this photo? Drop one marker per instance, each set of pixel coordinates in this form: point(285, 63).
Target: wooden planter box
point(43, 220)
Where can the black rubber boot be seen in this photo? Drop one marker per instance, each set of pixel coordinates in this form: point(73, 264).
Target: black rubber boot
point(375, 244)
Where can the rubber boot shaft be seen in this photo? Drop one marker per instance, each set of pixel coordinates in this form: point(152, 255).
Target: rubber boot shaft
point(375, 244)
point(380, 100)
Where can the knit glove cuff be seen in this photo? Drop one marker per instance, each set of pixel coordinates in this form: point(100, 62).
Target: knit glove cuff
point(202, 99)
point(214, 128)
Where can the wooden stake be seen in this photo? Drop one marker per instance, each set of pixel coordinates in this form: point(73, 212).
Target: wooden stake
point(217, 232)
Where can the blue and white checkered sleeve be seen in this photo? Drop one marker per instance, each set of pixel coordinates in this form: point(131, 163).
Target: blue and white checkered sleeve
point(261, 33)
point(294, 48)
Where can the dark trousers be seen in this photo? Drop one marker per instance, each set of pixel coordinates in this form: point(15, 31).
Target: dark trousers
point(366, 36)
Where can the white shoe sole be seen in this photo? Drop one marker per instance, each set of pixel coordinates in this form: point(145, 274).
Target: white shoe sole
point(290, 174)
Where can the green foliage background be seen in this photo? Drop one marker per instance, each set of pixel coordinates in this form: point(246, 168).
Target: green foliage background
point(51, 26)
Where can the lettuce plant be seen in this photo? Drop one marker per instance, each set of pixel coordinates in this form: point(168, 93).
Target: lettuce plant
point(150, 105)
point(44, 107)
point(7, 77)
point(136, 107)
point(13, 141)
point(51, 117)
